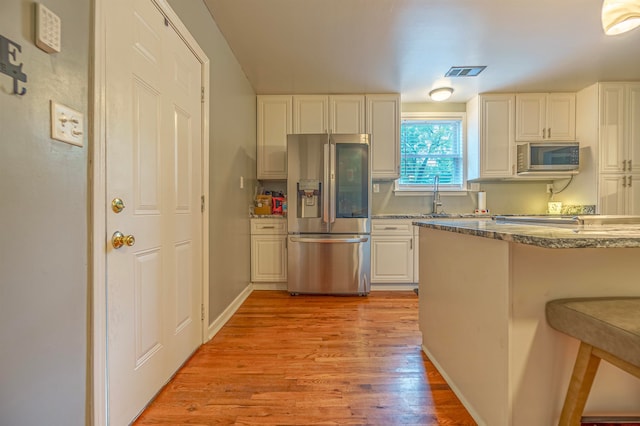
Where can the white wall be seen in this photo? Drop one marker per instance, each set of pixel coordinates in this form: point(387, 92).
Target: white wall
point(43, 259)
point(232, 155)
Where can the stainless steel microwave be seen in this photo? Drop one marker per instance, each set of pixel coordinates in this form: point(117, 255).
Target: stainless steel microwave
point(534, 157)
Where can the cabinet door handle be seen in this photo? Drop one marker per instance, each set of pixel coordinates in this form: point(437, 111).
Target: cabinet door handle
point(624, 165)
point(411, 244)
point(390, 227)
point(549, 133)
point(629, 181)
point(629, 165)
point(267, 227)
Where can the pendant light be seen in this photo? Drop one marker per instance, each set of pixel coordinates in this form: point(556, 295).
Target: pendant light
point(619, 16)
point(441, 94)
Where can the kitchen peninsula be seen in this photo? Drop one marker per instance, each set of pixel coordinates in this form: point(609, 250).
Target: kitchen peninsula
point(483, 288)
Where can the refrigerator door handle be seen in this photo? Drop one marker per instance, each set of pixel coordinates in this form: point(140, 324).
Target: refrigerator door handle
point(325, 192)
point(332, 191)
point(329, 240)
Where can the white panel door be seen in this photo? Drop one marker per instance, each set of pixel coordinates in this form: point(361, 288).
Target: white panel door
point(153, 164)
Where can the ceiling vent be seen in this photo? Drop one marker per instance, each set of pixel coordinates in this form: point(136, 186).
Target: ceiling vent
point(464, 71)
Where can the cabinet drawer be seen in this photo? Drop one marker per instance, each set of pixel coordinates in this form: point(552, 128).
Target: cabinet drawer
point(392, 227)
point(268, 226)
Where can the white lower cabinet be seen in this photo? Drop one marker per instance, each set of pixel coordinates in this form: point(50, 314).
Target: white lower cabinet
point(268, 250)
point(393, 251)
point(619, 194)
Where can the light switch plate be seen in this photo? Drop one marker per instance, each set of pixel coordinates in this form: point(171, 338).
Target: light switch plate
point(67, 125)
point(48, 29)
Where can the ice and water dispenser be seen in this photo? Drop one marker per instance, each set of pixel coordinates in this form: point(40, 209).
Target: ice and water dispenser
point(309, 196)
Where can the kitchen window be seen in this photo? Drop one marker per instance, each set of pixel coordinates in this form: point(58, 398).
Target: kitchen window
point(432, 144)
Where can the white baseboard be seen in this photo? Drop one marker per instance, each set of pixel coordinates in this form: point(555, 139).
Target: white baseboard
point(454, 388)
point(222, 319)
point(374, 287)
point(269, 286)
point(393, 287)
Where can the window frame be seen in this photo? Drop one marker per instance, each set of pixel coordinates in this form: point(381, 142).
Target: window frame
point(421, 190)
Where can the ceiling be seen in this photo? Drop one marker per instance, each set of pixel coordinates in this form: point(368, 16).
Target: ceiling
point(406, 46)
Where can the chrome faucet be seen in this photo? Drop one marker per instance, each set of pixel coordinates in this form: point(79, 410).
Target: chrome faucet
point(436, 195)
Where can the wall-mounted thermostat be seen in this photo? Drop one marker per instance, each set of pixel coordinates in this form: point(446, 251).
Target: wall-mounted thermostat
point(48, 29)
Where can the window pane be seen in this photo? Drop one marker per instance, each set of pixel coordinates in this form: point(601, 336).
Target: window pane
point(431, 147)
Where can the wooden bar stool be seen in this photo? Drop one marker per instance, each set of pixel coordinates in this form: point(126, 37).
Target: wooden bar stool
point(609, 329)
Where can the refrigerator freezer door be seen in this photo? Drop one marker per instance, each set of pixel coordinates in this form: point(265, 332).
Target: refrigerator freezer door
point(329, 264)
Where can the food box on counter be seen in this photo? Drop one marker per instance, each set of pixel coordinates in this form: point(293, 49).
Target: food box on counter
point(277, 205)
point(263, 204)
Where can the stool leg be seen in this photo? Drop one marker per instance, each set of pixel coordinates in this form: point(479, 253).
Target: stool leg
point(584, 371)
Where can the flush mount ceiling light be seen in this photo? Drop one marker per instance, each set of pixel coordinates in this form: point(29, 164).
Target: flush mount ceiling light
point(441, 94)
point(619, 16)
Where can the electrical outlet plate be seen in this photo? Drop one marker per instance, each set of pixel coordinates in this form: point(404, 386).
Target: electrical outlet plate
point(48, 29)
point(67, 125)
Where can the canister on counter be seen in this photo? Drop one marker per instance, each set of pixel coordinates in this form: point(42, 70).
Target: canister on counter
point(263, 205)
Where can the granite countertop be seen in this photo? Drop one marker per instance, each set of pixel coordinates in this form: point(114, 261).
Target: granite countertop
point(267, 216)
point(430, 216)
point(547, 235)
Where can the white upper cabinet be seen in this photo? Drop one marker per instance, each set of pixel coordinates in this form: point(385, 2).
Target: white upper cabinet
point(310, 114)
point(383, 123)
point(619, 127)
point(545, 116)
point(490, 136)
point(619, 181)
point(346, 114)
point(279, 115)
point(273, 126)
point(328, 114)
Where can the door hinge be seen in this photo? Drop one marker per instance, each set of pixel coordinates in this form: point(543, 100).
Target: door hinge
point(202, 203)
point(202, 312)
point(202, 94)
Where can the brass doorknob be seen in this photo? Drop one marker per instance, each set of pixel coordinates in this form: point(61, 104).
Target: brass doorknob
point(117, 205)
point(119, 239)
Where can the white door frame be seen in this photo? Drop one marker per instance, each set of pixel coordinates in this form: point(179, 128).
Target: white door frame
point(97, 409)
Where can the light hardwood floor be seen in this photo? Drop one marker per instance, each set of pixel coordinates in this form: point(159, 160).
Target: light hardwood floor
point(307, 360)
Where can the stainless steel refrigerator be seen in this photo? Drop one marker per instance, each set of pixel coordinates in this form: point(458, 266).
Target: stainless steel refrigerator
point(329, 214)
